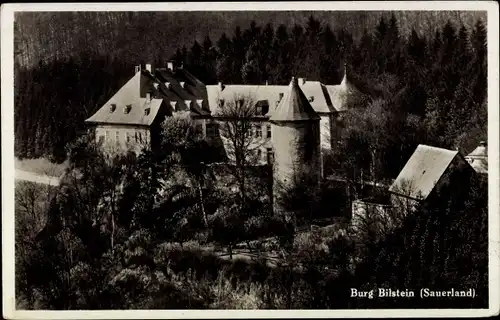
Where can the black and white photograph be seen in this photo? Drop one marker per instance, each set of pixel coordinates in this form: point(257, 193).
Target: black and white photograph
point(266, 156)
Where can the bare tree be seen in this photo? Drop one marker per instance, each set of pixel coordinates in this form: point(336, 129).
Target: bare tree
point(32, 200)
point(239, 128)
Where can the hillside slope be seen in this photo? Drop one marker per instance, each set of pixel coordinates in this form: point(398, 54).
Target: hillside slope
point(136, 36)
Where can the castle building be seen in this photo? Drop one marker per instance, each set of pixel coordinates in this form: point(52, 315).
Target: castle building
point(131, 119)
point(288, 126)
point(328, 101)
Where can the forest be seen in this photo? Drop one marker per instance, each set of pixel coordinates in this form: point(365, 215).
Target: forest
point(431, 89)
point(113, 240)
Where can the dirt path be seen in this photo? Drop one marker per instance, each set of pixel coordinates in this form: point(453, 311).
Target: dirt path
point(37, 178)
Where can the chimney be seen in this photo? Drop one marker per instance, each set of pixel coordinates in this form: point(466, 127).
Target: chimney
point(182, 84)
point(221, 86)
point(170, 66)
point(267, 83)
point(148, 97)
point(137, 68)
point(302, 80)
point(148, 67)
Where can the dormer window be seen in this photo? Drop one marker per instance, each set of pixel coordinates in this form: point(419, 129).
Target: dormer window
point(258, 110)
point(146, 111)
point(127, 108)
point(155, 85)
point(311, 99)
point(112, 107)
point(167, 84)
point(200, 102)
point(182, 84)
point(174, 105)
point(188, 103)
point(280, 96)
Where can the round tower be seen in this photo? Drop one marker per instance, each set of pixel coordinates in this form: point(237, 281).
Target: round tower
point(295, 135)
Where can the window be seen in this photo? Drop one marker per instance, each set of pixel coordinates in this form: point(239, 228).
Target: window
point(268, 129)
point(270, 155)
point(106, 135)
point(258, 131)
point(259, 154)
point(258, 110)
point(211, 130)
point(128, 134)
point(100, 138)
point(117, 137)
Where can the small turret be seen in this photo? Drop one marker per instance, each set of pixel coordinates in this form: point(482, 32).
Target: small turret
point(344, 79)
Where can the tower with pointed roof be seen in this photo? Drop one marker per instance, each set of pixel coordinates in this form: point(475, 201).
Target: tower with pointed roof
point(295, 128)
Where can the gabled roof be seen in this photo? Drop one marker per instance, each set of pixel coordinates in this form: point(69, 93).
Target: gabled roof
point(323, 98)
point(294, 106)
point(184, 92)
point(422, 172)
point(128, 95)
point(317, 93)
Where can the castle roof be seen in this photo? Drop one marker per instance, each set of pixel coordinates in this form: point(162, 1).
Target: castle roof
point(341, 93)
point(113, 112)
point(294, 106)
point(422, 172)
point(174, 90)
point(322, 98)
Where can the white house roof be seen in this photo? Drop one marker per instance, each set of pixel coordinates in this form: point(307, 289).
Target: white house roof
point(478, 158)
point(323, 98)
point(422, 172)
point(128, 95)
point(177, 90)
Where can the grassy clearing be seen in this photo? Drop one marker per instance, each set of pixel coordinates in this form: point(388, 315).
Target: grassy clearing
point(41, 166)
